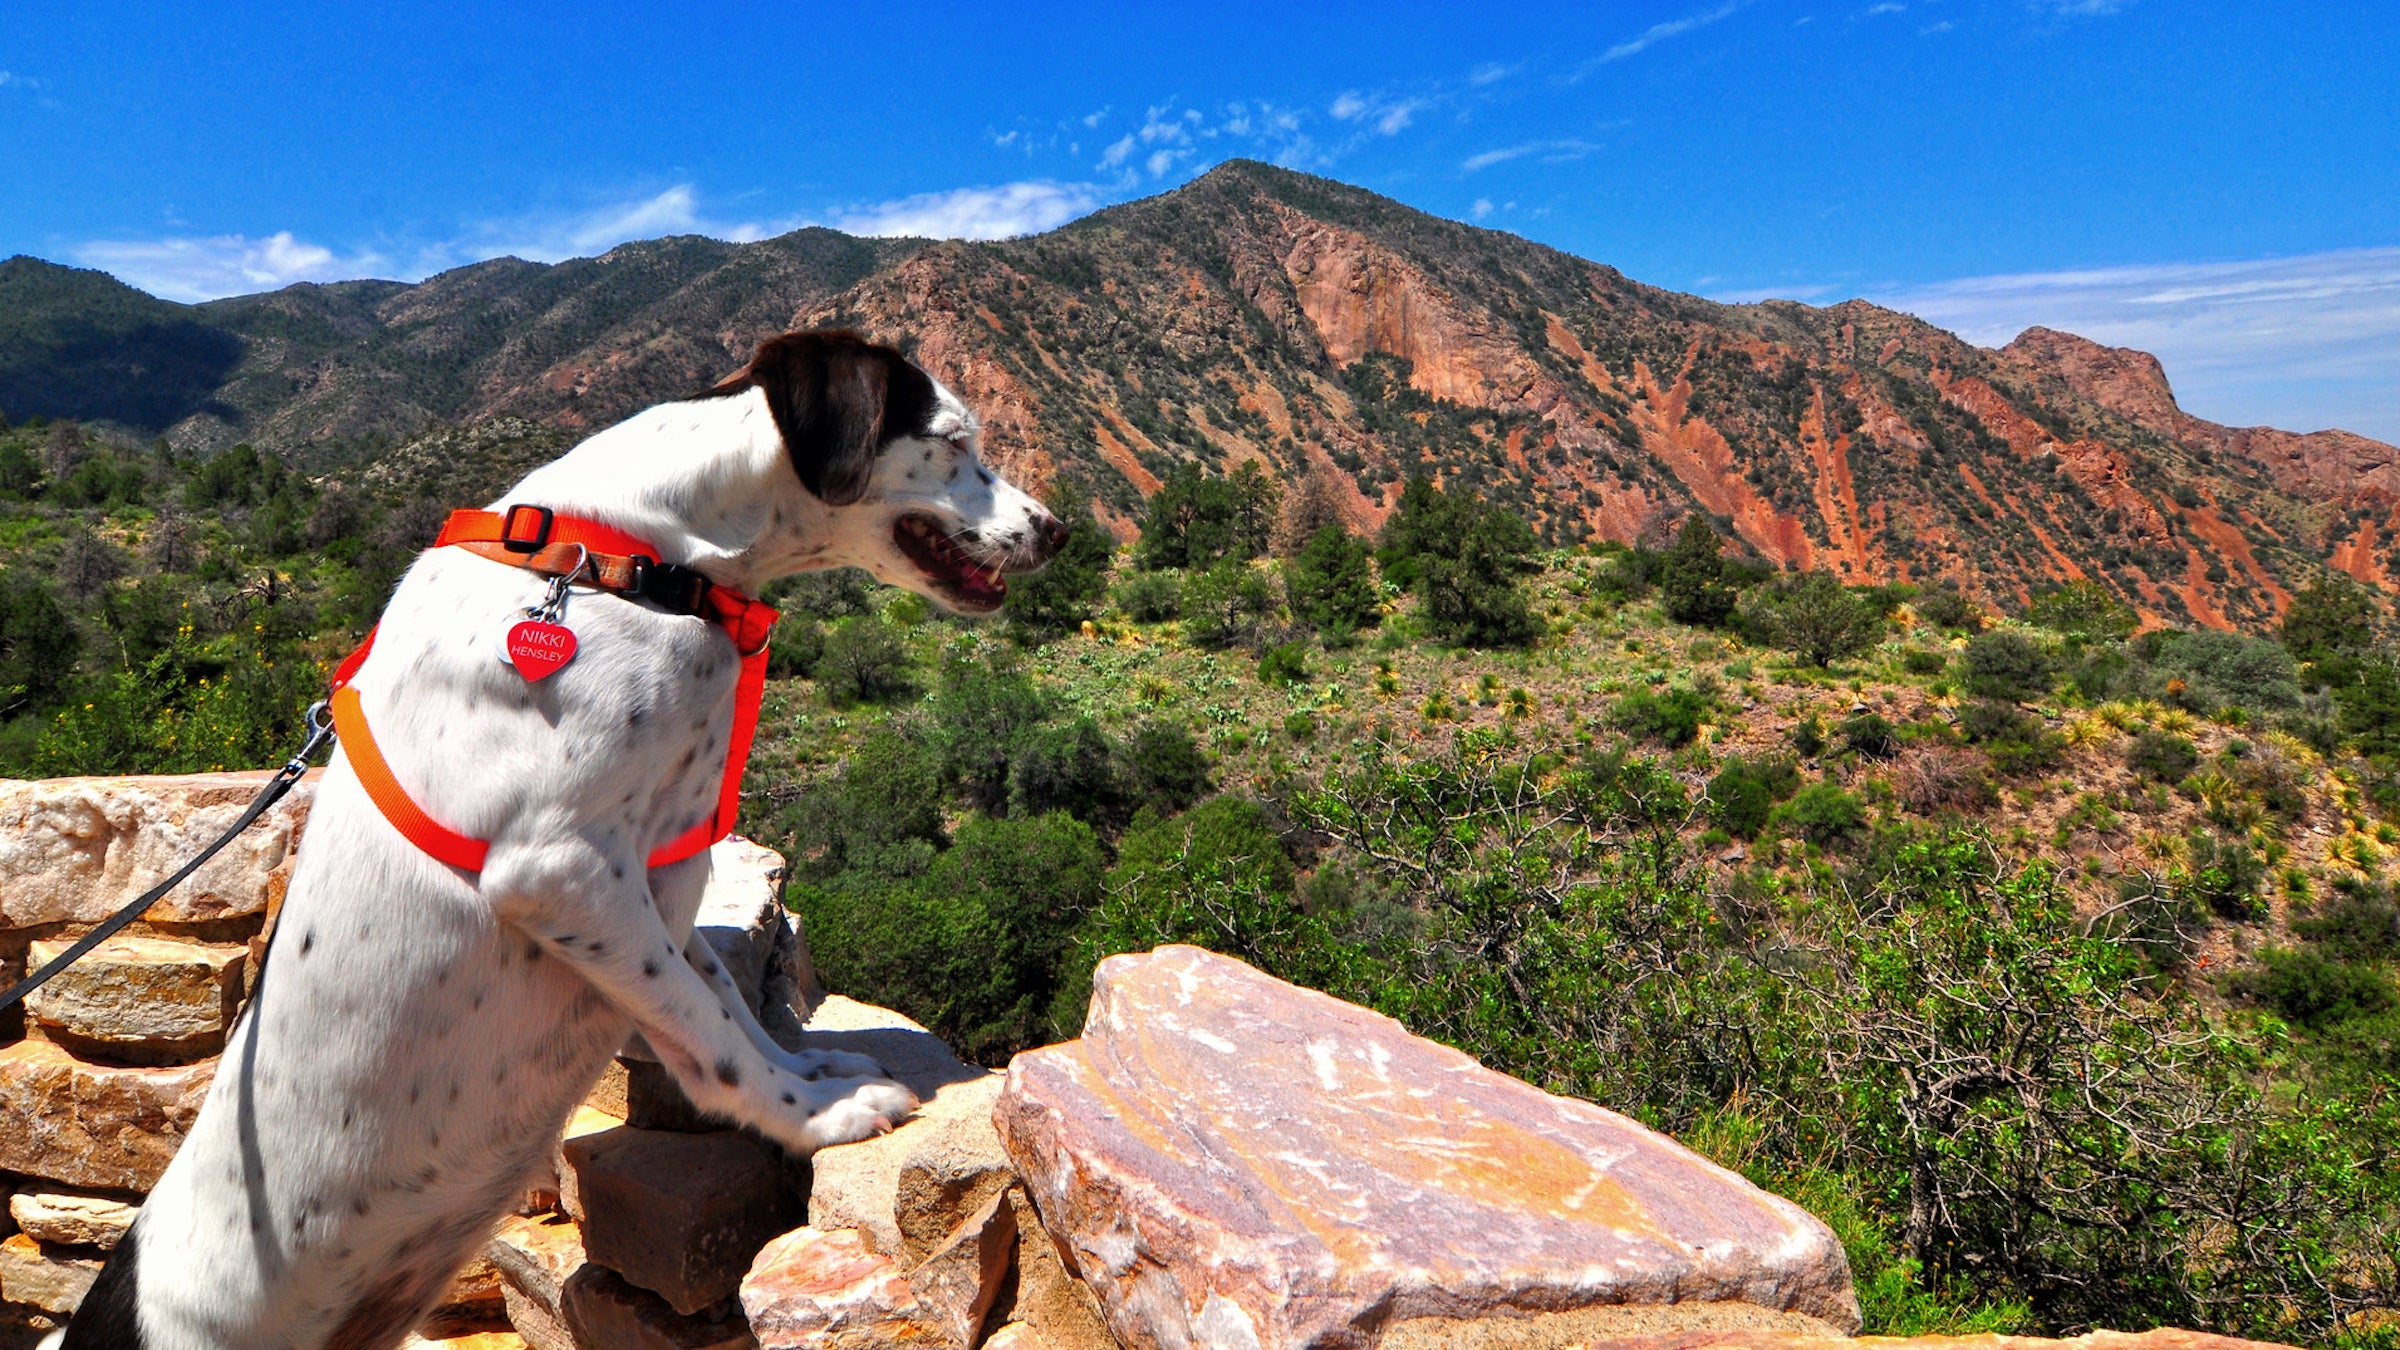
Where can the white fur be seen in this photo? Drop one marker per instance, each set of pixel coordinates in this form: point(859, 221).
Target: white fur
point(423, 1033)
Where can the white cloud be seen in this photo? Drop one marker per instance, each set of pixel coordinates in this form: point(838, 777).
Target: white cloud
point(1492, 72)
point(2302, 343)
point(1550, 152)
point(1887, 7)
point(204, 268)
point(1929, 30)
point(9, 78)
point(2078, 8)
point(1660, 32)
point(1348, 107)
point(1001, 212)
point(1388, 117)
point(1115, 154)
point(1482, 208)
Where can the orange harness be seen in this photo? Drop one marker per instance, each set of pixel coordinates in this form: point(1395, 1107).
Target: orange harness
point(563, 546)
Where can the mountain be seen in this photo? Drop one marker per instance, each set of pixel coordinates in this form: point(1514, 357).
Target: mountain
point(1261, 314)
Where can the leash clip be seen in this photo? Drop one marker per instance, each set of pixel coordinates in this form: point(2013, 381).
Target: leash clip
point(554, 603)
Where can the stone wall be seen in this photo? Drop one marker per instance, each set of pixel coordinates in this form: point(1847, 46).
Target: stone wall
point(1222, 1160)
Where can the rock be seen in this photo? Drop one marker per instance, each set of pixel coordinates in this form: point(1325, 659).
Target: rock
point(93, 1125)
point(831, 1291)
point(2164, 1338)
point(1050, 1303)
point(536, 1258)
point(474, 1300)
point(51, 1281)
point(473, 1340)
point(74, 849)
point(1230, 1160)
point(603, 1312)
point(678, 1214)
point(563, 1197)
point(958, 1281)
point(1015, 1336)
point(60, 1219)
point(142, 999)
point(908, 1190)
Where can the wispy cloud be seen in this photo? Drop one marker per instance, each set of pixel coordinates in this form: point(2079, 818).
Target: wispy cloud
point(1492, 72)
point(1388, 116)
point(1550, 152)
point(2078, 8)
point(2303, 342)
point(1657, 33)
point(1001, 212)
point(203, 268)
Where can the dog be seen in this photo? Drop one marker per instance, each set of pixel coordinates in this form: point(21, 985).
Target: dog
point(422, 1032)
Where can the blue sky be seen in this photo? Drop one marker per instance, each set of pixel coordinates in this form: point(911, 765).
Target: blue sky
point(2216, 182)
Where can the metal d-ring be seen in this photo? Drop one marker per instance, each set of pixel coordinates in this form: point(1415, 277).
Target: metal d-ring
point(554, 603)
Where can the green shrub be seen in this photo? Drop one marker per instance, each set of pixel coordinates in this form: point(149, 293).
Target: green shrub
point(1225, 605)
point(1151, 597)
point(2229, 670)
point(1693, 586)
point(1329, 584)
point(1165, 768)
point(2161, 755)
point(981, 713)
point(1822, 812)
point(1918, 661)
point(1946, 607)
point(2314, 991)
point(1814, 617)
point(1870, 735)
point(882, 812)
point(863, 661)
point(1070, 768)
point(794, 647)
point(1300, 726)
point(2085, 611)
point(1672, 718)
point(1286, 663)
point(1808, 737)
point(1745, 792)
point(2223, 876)
point(2006, 665)
point(1069, 589)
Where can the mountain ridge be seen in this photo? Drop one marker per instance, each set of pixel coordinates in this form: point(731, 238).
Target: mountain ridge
point(1257, 313)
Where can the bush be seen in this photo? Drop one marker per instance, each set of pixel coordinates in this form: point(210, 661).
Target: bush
point(1930, 777)
point(1070, 768)
point(981, 713)
point(2084, 611)
point(2230, 670)
point(1672, 718)
point(2162, 756)
point(2223, 878)
point(794, 647)
point(1166, 768)
point(1151, 597)
point(1745, 792)
point(836, 593)
point(863, 661)
point(1945, 607)
point(1226, 604)
point(1283, 664)
point(1462, 556)
point(1917, 661)
point(1808, 737)
point(1870, 735)
point(1816, 618)
point(882, 813)
point(1692, 583)
point(1822, 812)
point(2313, 991)
point(2007, 666)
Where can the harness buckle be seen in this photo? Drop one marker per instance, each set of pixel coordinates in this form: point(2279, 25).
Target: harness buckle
point(683, 590)
point(514, 542)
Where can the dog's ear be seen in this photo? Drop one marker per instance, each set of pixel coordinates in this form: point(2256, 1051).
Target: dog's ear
point(837, 399)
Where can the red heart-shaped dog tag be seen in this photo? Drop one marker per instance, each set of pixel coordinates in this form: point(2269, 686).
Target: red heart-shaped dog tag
point(538, 649)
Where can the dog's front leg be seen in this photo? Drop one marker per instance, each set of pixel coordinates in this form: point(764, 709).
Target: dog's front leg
point(807, 1063)
point(595, 913)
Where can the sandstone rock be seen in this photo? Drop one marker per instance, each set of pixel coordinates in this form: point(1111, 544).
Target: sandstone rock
point(1231, 1160)
point(93, 1125)
point(60, 1219)
point(535, 1258)
point(1055, 1309)
point(73, 849)
point(831, 1291)
point(1016, 1336)
point(474, 1301)
point(145, 999)
point(678, 1214)
point(51, 1281)
point(603, 1312)
point(473, 1340)
point(562, 1196)
point(908, 1190)
point(959, 1281)
point(741, 911)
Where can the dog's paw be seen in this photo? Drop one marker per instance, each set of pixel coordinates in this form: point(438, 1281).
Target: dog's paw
point(831, 1064)
point(870, 1109)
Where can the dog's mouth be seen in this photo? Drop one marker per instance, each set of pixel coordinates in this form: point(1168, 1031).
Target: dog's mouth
point(968, 583)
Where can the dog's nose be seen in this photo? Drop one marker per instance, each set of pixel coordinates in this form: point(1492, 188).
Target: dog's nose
point(1050, 536)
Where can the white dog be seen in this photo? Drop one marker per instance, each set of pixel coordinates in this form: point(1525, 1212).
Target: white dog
point(423, 1030)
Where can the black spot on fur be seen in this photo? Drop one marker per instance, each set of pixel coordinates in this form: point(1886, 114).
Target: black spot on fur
point(789, 1099)
point(634, 718)
point(308, 941)
point(617, 870)
point(595, 946)
point(728, 1074)
point(108, 1318)
point(650, 969)
point(533, 951)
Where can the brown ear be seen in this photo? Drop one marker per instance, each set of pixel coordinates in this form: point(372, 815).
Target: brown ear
point(837, 399)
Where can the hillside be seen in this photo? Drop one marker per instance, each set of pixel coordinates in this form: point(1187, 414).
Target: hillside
point(1261, 314)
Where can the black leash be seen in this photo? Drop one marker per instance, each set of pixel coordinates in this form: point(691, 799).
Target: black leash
point(320, 730)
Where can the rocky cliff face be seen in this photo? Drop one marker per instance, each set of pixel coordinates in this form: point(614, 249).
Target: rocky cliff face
point(1257, 314)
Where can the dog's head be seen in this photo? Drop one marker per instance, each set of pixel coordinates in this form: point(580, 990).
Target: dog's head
point(894, 457)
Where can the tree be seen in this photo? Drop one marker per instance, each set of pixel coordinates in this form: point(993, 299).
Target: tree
point(38, 644)
point(1329, 584)
point(2085, 612)
point(1312, 504)
point(1225, 605)
point(2331, 617)
point(981, 713)
point(1256, 497)
point(1691, 580)
point(863, 661)
point(1816, 618)
point(1195, 519)
point(1072, 586)
point(1462, 556)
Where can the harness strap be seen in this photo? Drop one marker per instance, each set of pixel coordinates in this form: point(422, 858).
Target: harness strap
point(595, 554)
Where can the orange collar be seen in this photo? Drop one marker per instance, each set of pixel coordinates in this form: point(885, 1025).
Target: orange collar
point(609, 559)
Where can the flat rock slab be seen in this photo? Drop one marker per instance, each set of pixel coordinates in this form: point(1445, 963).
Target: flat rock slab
point(1230, 1160)
point(84, 1124)
point(144, 999)
point(819, 1290)
point(59, 1219)
point(73, 849)
point(54, 1282)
